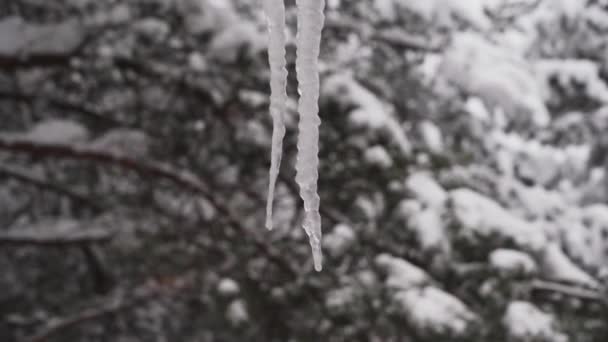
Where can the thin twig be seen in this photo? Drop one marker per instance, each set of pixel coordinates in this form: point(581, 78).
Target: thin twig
point(63, 104)
point(27, 177)
point(54, 238)
point(40, 149)
point(568, 290)
point(182, 178)
point(112, 305)
point(59, 325)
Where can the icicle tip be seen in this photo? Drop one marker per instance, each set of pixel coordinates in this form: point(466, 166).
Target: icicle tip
point(317, 257)
point(269, 224)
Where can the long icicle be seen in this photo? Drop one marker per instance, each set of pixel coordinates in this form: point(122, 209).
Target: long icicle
point(275, 13)
point(310, 25)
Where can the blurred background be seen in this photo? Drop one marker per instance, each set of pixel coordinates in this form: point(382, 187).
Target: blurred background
point(462, 177)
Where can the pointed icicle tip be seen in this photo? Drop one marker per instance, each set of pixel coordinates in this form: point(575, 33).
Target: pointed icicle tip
point(269, 224)
point(317, 257)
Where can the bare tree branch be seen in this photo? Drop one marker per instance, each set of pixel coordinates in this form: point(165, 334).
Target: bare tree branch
point(50, 238)
point(27, 177)
point(111, 305)
point(569, 290)
point(157, 169)
point(181, 178)
point(63, 104)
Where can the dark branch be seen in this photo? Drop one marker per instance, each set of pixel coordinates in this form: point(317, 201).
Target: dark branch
point(40, 149)
point(112, 305)
point(569, 290)
point(13, 62)
point(27, 177)
point(182, 178)
point(63, 104)
point(55, 328)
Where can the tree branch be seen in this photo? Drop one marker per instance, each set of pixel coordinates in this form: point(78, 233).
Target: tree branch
point(182, 178)
point(63, 104)
point(569, 290)
point(112, 305)
point(52, 238)
point(27, 177)
point(40, 149)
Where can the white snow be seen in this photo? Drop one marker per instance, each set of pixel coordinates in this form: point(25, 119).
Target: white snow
point(54, 131)
point(228, 44)
point(339, 240)
point(477, 109)
point(131, 142)
point(401, 275)
point(440, 13)
point(598, 17)
point(366, 279)
point(580, 243)
point(231, 32)
point(197, 61)
point(237, 312)
point(570, 73)
point(386, 9)
point(228, 287)
point(508, 261)
point(406, 209)
point(567, 8)
point(423, 187)
point(595, 219)
point(556, 265)
point(310, 25)
point(497, 76)
point(480, 216)
point(152, 28)
point(525, 322)
point(201, 16)
point(377, 155)
point(537, 161)
point(431, 310)
point(532, 203)
point(432, 137)
point(275, 12)
point(425, 223)
point(471, 11)
point(370, 112)
point(429, 230)
point(368, 206)
point(340, 299)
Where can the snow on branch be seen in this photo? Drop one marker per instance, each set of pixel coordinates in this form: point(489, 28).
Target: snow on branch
point(57, 233)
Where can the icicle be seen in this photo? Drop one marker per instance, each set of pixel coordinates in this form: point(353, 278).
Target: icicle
point(275, 13)
point(310, 25)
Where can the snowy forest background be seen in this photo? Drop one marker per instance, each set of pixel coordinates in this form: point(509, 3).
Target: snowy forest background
point(462, 179)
